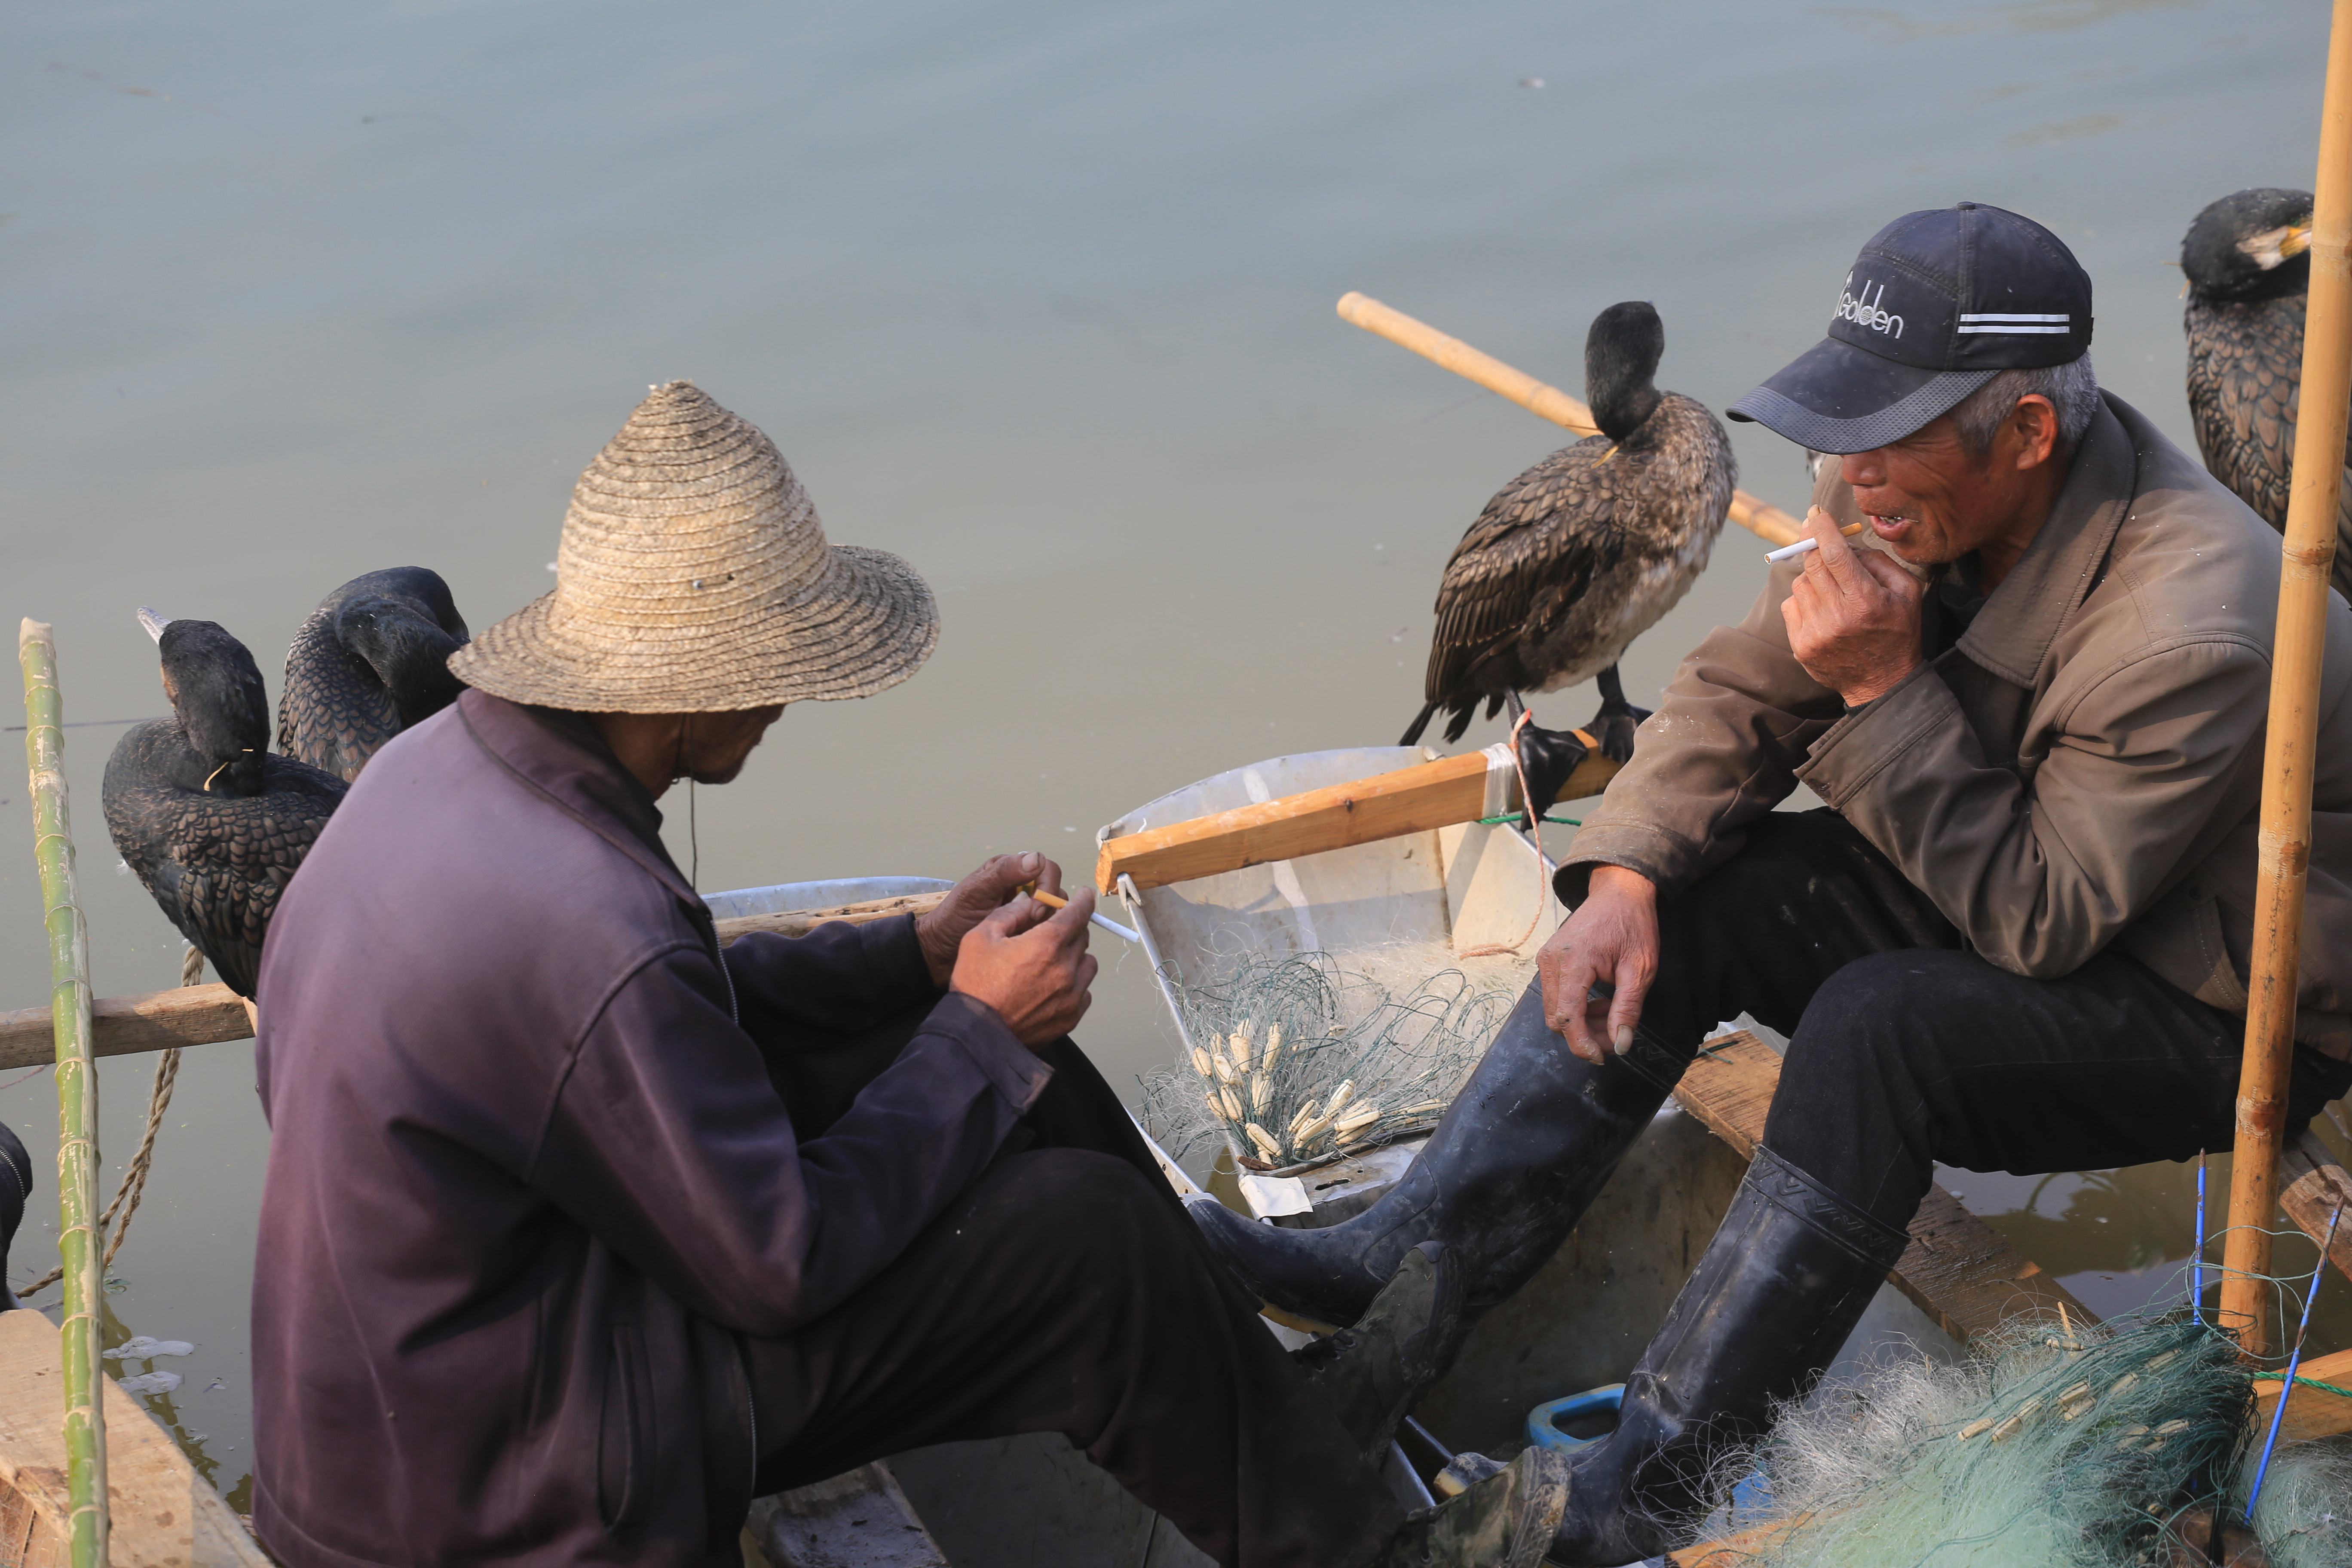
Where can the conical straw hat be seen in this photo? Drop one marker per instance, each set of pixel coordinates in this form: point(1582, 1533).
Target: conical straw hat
point(694, 577)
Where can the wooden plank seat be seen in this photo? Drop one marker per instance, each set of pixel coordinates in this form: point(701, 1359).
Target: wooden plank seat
point(1958, 1269)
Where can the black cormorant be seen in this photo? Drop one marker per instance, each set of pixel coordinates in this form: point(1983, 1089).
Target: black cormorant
point(211, 822)
point(1578, 556)
point(2248, 257)
point(369, 662)
point(15, 1192)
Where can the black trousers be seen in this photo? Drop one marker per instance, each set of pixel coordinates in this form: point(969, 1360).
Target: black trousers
point(1066, 1292)
point(1905, 1049)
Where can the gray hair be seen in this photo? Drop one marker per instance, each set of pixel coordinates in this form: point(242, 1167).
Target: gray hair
point(2073, 389)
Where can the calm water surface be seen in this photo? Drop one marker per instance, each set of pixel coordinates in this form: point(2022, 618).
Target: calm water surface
point(1039, 294)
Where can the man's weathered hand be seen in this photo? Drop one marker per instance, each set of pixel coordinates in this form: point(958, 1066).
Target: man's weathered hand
point(1852, 617)
point(972, 901)
point(1611, 937)
point(1034, 970)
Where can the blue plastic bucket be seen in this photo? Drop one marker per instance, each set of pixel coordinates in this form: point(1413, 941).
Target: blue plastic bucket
point(1750, 1496)
point(1543, 1421)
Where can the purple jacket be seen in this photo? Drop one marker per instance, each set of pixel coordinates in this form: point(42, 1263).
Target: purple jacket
point(529, 1179)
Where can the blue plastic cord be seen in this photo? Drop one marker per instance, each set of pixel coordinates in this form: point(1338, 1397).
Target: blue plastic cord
point(2197, 1269)
point(2278, 1411)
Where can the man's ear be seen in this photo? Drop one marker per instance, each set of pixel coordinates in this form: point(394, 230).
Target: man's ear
point(2032, 426)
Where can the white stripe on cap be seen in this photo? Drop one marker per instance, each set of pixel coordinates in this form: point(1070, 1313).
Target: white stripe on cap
point(2012, 324)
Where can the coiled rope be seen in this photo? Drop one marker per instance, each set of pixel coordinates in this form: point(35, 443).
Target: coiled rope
point(134, 1180)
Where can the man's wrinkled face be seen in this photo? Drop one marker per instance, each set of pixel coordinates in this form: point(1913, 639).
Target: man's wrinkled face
point(1929, 497)
point(717, 745)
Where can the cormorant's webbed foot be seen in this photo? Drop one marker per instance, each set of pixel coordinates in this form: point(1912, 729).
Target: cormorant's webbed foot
point(1548, 757)
point(1614, 725)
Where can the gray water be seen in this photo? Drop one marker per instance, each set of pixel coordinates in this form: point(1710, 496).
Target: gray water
point(1038, 295)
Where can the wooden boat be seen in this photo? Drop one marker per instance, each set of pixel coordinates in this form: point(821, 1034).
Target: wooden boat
point(1447, 883)
point(1412, 866)
point(1435, 891)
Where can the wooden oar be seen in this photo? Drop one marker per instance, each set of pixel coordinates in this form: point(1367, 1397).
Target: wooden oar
point(1760, 518)
point(203, 1014)
point(2297, 655)
point(800, 922)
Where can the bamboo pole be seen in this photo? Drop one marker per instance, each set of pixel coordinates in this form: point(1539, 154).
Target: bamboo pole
point(69, 1004)
point(1759, 517)
point(2296, 654)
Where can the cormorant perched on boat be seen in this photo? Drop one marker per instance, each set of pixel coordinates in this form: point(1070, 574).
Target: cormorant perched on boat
point(2248, 257)
point(1578, 556)
point(369, 662)
point(16, 1191)
point(213, 823)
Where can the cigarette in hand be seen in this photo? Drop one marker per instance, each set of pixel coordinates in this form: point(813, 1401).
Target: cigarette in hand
point(1055, 901)
point(1807, 545)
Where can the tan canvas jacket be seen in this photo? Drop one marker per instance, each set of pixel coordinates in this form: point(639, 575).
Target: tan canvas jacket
point(2083, 767)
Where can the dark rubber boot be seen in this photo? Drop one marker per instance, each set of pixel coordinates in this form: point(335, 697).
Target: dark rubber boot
point(1779, 1289)
point(1504, 1521)
point(1548, 757)
point(15, 1190)
point(1517, 1158)
point(1373, 1373)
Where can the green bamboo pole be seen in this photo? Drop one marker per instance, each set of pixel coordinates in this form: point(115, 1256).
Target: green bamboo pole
point(70, 998)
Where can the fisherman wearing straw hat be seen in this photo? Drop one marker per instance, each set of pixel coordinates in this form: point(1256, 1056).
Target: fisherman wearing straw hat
point(578, 1232)
point(2031, 691)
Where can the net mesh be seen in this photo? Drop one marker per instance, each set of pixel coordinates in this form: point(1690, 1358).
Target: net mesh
point(2085, 1445)
point(1297, 1059)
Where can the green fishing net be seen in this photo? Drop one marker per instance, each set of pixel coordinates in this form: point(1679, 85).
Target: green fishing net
point(2051, 1447)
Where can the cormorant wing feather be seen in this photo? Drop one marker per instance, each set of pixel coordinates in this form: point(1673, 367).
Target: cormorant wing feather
point(2244, 361)
point(231, 866)
point(1531, 553)
point(333, 711)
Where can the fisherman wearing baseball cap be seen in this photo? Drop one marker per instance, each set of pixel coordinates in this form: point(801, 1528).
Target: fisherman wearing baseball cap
point(2031, 689)
point(1937, 305)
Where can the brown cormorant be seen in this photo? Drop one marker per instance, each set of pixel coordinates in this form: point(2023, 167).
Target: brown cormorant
point(208, 819)
point(2248, 257)
point(369, 662)
point(1578, 556)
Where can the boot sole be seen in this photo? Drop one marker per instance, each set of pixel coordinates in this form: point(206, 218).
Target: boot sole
point(1439, 1339)
point(1540, 1514)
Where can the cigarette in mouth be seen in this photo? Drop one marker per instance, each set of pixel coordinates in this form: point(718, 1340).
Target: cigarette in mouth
point(1807, 545)
point(1055, 901)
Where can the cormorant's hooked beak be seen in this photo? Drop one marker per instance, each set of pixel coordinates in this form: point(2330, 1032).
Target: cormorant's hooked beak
point(2275, 246)
point(154, 623)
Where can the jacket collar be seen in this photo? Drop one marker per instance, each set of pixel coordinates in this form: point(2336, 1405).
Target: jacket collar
point(2012, 633)
point(560, 755)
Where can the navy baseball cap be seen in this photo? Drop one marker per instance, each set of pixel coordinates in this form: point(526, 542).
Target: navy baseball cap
point(1938, 303)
